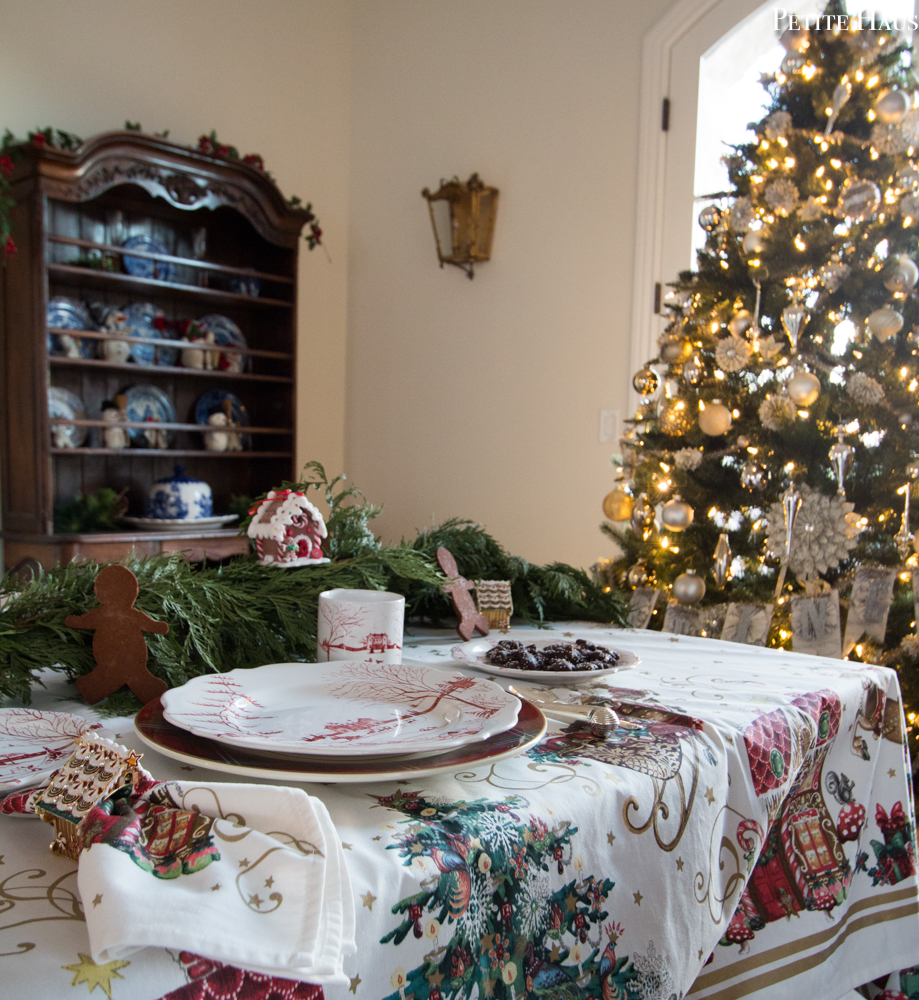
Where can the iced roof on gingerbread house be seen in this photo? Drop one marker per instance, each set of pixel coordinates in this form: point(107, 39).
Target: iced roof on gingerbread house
point(288, 530)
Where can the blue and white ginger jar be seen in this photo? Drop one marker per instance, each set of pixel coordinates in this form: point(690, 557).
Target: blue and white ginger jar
point(180, 497)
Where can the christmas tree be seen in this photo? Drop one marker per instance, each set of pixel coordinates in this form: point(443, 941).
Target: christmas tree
point(774, 451)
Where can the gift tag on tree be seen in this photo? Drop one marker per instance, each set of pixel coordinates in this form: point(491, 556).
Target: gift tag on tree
point(869, 605)
point(815, 624)
point(642, 606)
point(680, 619)
point(747, 623)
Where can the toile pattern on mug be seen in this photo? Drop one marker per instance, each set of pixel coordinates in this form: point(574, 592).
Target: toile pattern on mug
point(360, 625)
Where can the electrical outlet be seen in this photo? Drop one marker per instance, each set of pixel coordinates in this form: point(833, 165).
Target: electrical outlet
point(609, 426)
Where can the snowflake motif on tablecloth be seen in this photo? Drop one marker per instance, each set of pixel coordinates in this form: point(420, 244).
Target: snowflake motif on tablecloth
point(732, 353)
point(652, 976)
point(688, 458)
point(864, 389)
point(492, 892)
point(782, 196)
point(820, 541)
point(777, 411)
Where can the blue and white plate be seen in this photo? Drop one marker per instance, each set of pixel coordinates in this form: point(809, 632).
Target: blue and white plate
point(226, 334)
point(212, 402)
point(69, 314)
point(139, 321)
point(146, 402)
point(63, 403)
point(143, 267)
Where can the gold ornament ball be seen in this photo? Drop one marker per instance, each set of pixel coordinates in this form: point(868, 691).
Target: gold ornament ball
point(677, 514)
point(637, 575)
point(646, 381)
point(740, 322)
point(715, 419)
point(755, 242)
point(673, 418)
point(618, 504)
point(688, 588)
point(804, 388)
point(674, 350)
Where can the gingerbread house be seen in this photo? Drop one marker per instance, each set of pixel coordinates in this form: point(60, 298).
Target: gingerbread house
point(287, 530)
point(493, 599)
point(96, 770)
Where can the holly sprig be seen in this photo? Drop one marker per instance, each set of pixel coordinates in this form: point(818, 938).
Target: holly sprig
point(51, 138)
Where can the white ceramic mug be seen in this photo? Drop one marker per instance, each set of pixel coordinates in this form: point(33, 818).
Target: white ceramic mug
point(360, 625)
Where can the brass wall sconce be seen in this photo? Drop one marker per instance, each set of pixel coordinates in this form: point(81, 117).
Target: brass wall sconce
point(463, 218)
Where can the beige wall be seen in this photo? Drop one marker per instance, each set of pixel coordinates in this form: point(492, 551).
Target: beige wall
point(481, 399)
point(439, 396)
point(271, 77)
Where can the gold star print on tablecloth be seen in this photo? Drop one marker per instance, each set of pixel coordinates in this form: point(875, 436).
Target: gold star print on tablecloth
point(638, 898)
point(679, 864)
point(98, 899)
point(710, 795)
point(86, 971)
point(368, 899)
point(436, 978)
point(892, 772)
point(611, 838)
point(355, 982)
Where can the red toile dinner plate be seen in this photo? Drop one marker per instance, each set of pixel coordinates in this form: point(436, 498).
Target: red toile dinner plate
point(179, 744)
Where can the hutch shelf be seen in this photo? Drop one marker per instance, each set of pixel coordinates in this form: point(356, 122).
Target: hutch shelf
point(207, 238)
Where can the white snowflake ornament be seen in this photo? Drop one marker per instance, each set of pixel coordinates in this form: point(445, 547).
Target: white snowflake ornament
point(776, 412)
point(864, 389)
point(821, 539)
point(732, 353)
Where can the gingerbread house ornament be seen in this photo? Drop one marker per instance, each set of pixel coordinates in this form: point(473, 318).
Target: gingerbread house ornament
point(493, 599)
point(288, 530)
point(96, 770)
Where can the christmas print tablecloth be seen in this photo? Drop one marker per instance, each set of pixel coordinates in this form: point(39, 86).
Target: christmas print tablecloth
point(747, 833)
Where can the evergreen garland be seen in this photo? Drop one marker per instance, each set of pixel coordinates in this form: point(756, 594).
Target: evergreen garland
point(242, 614)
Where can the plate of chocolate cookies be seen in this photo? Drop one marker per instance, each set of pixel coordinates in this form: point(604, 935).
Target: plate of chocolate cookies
point(547, 661)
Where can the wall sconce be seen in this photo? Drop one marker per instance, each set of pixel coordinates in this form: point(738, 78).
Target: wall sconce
point(463, 217)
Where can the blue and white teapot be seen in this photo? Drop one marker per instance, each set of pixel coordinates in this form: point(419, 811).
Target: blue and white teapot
point(179, 498)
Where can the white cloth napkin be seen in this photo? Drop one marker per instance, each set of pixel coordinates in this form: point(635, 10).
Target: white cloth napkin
point(251, 875)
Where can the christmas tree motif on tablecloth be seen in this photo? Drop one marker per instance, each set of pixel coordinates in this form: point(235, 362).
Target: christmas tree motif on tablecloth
point(494, 904)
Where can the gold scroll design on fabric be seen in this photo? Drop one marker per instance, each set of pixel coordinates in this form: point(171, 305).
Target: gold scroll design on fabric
point(236, 820)
point(559, 772)
point(64, 902)
point(750, 837)
point(660, 810)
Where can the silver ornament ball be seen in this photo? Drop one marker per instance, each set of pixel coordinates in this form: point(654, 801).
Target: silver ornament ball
point(676, 514)
point(688, 588)
point(693, 371)
point(752, 476)
point(891, 107)
point(637, 575)
point(754, 242)
point(646, 381)
point(885, 323)
point(902, 275)
point(710, 218)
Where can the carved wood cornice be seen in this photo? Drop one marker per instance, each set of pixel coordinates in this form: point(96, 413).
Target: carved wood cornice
point(181, 176)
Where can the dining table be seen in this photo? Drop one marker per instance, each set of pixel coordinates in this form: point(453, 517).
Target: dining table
point(741, 827)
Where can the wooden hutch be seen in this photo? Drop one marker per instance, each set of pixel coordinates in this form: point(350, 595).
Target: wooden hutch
point(221, 224)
